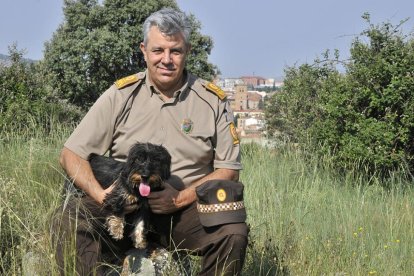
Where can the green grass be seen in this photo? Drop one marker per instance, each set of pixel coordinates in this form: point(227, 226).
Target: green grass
point(318, 223)
point(304, 219)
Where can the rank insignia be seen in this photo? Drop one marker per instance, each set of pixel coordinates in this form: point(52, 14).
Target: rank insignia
point(126, 81)
point(187, 126)
point(217, 90)
point(234, 134)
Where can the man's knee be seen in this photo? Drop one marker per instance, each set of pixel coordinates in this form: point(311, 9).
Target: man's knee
point(237, 245)
point(236, 241)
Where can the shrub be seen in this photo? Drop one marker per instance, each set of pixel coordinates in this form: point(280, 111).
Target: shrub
point(25, 100)
point(364, 116)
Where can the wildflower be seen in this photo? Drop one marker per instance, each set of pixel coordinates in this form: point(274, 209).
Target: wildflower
point(397, 241)
point(360, 229)
point(355, 234)
point(385, 246)
point(372, 272)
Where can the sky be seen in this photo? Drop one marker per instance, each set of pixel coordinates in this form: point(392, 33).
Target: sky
point(260, 37)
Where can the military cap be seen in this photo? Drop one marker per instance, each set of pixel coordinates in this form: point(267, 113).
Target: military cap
point(220, 202)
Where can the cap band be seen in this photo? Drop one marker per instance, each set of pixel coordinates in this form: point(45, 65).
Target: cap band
point(214, 208)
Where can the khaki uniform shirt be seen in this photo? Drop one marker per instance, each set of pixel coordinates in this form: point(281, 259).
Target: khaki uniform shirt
point(195, 126)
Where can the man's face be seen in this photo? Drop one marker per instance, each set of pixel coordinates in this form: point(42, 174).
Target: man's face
point(165, 57)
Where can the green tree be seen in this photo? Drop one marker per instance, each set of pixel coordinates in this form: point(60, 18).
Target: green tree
point(25, 100)
point(98, 44)
point(20, 93)
point(380, 99)
point(292, 111)
point(363, 116)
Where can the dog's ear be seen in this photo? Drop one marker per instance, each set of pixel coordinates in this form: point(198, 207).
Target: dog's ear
point(164, 155)
point(166, 171)
point(165, 161)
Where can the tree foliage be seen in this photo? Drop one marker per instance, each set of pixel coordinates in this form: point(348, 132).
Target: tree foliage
point(24, 98)
point(363, 116)
point(21, 97)
point(97, 44)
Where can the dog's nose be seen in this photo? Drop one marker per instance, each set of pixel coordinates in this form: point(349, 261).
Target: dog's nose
point(145, 173)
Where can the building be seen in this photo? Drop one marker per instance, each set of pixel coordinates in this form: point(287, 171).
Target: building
point(253, 81)
point(250, 123)
point(246, 100)
point(254, 100)
point(240, 98)
point(229, 84)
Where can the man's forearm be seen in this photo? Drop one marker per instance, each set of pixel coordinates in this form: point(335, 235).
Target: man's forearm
point(79, 170)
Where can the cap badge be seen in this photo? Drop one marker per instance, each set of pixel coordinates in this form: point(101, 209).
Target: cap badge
point(221, 195)
point(187, 126)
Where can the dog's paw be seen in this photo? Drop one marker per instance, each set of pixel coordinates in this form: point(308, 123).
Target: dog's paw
point(115, 226)
point(131, 199)
point(138, 235)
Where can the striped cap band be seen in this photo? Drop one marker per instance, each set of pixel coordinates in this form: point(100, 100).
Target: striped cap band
point(214, 208)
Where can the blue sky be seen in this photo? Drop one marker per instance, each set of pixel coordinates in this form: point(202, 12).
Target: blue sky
point(258, 37)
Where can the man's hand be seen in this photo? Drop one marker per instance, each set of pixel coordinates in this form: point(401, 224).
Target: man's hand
point(101, 196)
point(128, 208)
point(169, 200)
point(163, 202)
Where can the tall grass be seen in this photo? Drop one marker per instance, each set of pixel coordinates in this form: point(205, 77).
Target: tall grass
point(311, 221)
point(304, 218)
point(30, 185)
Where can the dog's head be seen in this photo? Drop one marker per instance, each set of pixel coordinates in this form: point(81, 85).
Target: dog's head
point(147, 166)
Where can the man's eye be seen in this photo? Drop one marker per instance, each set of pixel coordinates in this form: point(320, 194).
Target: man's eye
point(157, 51)
point(176, 52)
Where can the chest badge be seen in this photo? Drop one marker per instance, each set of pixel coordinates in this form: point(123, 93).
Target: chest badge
point(187, 126)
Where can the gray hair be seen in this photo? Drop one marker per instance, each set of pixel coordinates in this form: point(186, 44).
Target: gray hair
point(169, 22)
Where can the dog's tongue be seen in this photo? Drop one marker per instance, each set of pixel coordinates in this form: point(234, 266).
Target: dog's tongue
point(144, 189)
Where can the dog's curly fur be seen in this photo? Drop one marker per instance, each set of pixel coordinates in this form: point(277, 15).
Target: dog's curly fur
point(146, 163)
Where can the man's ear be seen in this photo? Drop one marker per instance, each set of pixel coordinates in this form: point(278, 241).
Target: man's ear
point(142, 48)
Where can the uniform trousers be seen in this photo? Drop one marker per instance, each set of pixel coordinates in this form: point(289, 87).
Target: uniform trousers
point(79, 225)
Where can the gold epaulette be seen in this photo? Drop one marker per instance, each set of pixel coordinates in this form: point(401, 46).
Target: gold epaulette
point(215, 89)
point(121, 83)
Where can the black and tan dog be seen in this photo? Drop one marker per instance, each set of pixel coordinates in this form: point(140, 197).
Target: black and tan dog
point(145, 170)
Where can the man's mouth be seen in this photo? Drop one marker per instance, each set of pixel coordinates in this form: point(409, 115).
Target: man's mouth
point(166, 69)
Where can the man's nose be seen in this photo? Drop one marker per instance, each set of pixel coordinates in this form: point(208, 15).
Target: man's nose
point(166, 57)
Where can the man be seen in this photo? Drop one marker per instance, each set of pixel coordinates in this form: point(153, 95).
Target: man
point(163, 105)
